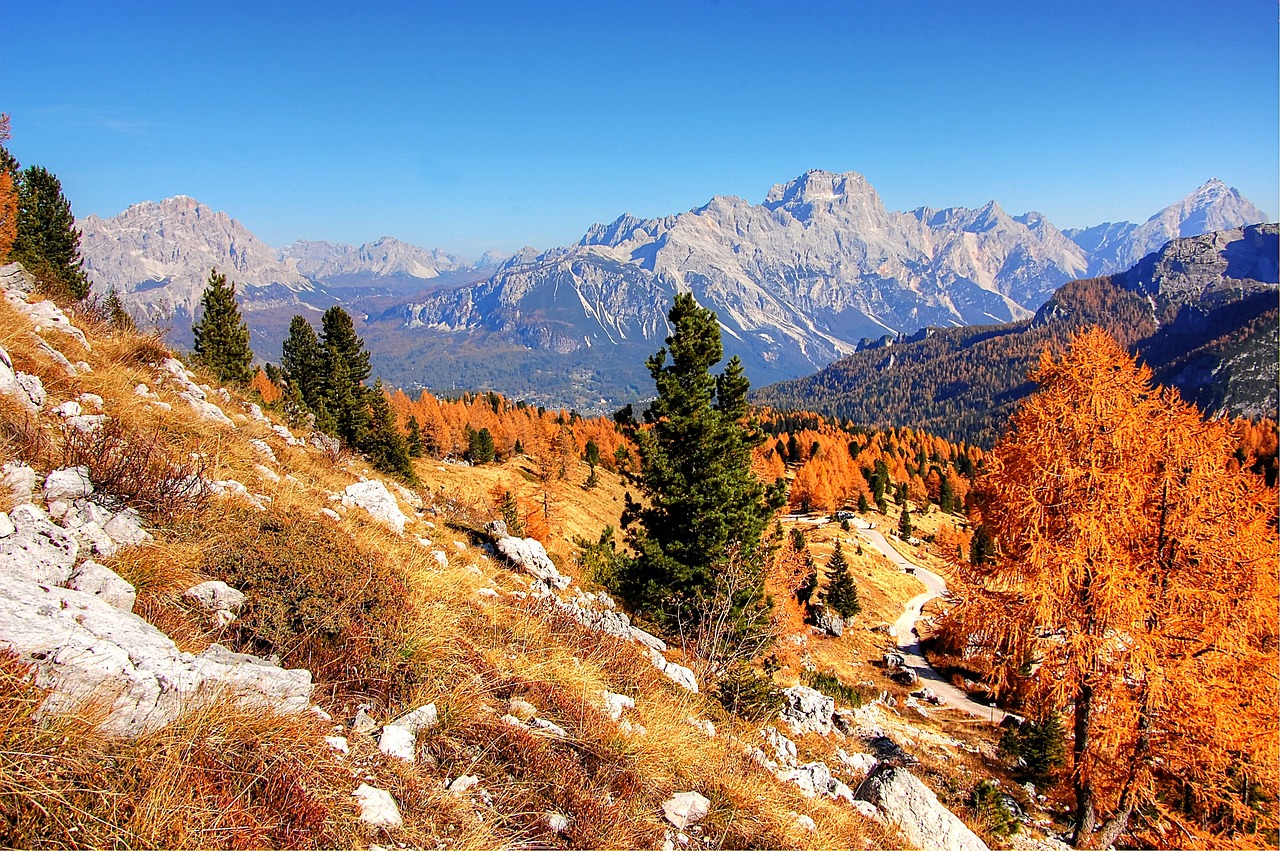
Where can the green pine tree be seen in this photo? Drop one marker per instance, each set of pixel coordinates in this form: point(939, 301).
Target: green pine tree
point(863, 505)
point(413, 437)
point(303, 361)
point(47, 242)
point(705, 506)
point(841, 593)
point(346, 366)
point(221, 336)
point(904, 522)
point(385, 444)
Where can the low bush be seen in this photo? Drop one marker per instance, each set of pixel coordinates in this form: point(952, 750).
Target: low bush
point(748, 693)
point(830, 685)
point(318, 599)
point(137, 467)
point(1036, 749)
point(989, 807)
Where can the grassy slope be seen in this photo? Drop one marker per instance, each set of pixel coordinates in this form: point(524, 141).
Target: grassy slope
point(225, 777)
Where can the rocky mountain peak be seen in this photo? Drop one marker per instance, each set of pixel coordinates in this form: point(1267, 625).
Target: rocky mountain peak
point(817, 189)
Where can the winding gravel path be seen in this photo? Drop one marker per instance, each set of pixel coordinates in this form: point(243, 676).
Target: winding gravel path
point(904, 632)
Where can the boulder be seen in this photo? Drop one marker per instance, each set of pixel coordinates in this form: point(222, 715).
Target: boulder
point(19, 480)
point(893, 660)
point(67, 483)
point(496, 529)
point(104, 583)
point(83, 648)
point(377, 807)
point(215, 596)
point(374, 498)
point(859, 763)
point(913, 807)
point(813, 778)
point(828, 621)
point(6, 525)
point(647, 639)
point(807, 710)
point(684, 809)
point(530, 556)
point(125, 528)
point(784, 750)
point(681, 676)
point(906, 677)
point(38, 550)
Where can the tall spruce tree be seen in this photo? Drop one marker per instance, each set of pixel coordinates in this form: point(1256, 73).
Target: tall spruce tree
point(386, 445)
point(705, 506)
point(904, 522)
point(303, 361)
point(346, 367)
point(221, 336)
point(841, 593)
point(47, 241)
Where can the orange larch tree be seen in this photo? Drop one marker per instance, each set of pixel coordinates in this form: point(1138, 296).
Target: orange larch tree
point(1134, 589)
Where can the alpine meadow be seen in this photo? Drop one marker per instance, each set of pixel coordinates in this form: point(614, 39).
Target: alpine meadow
point(724, 500)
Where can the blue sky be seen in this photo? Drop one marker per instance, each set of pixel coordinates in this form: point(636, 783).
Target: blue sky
point(475, 125)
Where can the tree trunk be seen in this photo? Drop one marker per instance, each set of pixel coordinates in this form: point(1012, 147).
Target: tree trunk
point(1086, 818)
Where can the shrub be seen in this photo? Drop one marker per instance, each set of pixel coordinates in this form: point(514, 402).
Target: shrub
point(988, 804)
point(1038, 749)
point(830, 685)
point(137, 467)
point(318, 599)
point(745, 692)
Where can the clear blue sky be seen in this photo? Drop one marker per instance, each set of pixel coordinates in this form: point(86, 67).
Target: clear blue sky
point(473, 125)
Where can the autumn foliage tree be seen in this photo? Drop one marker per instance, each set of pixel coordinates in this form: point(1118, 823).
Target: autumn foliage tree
point(8, 195)
point(1133, 587)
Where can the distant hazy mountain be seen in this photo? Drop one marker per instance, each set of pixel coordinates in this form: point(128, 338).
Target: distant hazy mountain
point(1213, 207)
point(1202, 312)
point(797, 281)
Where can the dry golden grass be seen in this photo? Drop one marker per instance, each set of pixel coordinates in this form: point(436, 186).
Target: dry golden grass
point(238, 779)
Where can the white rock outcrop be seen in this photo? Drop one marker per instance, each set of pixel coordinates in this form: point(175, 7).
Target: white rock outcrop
point(529, 555)
point(105, 584)
point(215, 596)
point(915, 810)
point(374, 498)
point(377, 807)
point(807, 710)
point(85, 649)
point(38, 550)
point(67, 483)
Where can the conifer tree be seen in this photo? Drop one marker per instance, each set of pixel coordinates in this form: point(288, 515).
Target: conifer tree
point(842, 592)
point(385, 445)
point(221, 336)
point(346, 366)
point(904, 522)
point(1134, 587)
point(863, 505)
point(47, 241)
point(302, 360)
point(705, 505)
point(413, 437)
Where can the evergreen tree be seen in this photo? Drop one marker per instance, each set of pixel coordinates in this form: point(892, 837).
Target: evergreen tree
point(413, 437)
point(863, 505)
point(982, 548)
point(346, 368)
point(480, 449)
point(705, 506)
point(221, 336)
point(842, 593)
point(904, 522)
point(303, 361)
point(946, 495)
point(592, 453)
point(47, 241)
point(385, 445)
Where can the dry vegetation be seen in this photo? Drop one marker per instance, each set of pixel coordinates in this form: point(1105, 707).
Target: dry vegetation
point(381, 622)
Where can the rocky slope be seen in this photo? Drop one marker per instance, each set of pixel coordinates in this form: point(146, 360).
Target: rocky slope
point(1202, 312)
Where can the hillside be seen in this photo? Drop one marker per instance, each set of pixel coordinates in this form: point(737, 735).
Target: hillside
point(243, 637)
point(1201, 313)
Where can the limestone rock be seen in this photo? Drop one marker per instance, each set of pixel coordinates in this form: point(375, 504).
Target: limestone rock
point(784, 750)
point(374, 498)
point(19, 479)
point(913, 807)
point(215, 596)
point(557, 822)
point(398, 742)
point(104, 583)
point(807, 710)
point(6, 525)
point(681, 676)
point(813, 778)
point(67, 483)
point(684, 809)
point(828, 621)
point(464, 784)
point(615, 705)
point(125, 528)
point(423, 718)
point(529, 555)
point(82, 647)
point(38, 550)
point(362, 722)
point(377, 807)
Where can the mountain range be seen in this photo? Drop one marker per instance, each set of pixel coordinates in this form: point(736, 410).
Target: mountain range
point(1201, 313)
point(798, 281)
